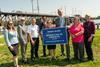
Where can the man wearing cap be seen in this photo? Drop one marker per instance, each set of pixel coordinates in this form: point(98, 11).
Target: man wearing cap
point(23, 38)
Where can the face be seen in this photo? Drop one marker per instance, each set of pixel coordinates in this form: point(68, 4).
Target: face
point(10, 25)
point(49, 22)
point(76, 19)
point(33, 21)
point(88, 18)
point(22, 21)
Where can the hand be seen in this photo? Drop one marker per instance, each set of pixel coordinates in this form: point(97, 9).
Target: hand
point(11, 48)
point(90, 39)
point(32, 42)
point(73, 36)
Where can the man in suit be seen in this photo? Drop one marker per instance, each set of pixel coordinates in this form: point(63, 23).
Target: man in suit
point(89, 28)
point(23, 38)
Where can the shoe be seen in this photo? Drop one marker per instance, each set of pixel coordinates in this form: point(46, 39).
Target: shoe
point(67, 59)
point(90, 59)
point(37, 57)
point(32, 59)
point(62, 54)
point(24, 61)
point(43, 56)
point(75, 58)
point(16, 65)
point(83, 60)
point(53, 58)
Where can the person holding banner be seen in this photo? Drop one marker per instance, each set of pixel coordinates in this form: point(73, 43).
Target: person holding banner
point(51, 48)
point(77, 34)
point(33, 32)
point(44, 22)
point(61, 21)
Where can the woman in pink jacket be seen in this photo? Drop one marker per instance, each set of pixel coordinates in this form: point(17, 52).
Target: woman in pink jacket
point(76, 31)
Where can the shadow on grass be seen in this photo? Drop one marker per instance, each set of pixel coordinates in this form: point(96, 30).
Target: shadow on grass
point(7, 64)
point(48, 62)
point(43, 62)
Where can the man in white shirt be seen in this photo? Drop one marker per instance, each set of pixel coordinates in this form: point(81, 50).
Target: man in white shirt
point(33, 31)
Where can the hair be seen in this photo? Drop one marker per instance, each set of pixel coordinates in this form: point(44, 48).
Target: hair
point(12, 25)
point(76, 17)
point(1, 22)
point(60, 12)
point(50, 21)
point(87, 17)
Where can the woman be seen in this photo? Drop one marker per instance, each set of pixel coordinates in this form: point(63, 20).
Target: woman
point(1, 27)
point(12, 41)
point(76, 32)
point(89, 28)
point(51, 48)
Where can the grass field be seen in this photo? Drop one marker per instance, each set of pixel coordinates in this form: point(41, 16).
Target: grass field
point(6, 57)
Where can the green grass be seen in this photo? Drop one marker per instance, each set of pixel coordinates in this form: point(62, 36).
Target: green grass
point(6, 57)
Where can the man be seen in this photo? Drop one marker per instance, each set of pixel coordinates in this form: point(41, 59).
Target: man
point(33, 32)
point(23, 38)
point(44, 22)
point(60, 21)
point(89, 28)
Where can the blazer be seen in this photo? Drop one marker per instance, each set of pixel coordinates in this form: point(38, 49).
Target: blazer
point(22, 32)
point(89, 28)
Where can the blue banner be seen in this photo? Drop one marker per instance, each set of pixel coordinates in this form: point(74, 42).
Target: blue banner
point(54, 36)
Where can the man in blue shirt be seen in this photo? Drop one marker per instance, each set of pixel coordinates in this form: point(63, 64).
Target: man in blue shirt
point(60, 21)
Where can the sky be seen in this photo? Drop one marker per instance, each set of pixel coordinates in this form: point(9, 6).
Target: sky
point(70, 7)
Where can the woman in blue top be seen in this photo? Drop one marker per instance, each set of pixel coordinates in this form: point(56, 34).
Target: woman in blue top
point(11, 39)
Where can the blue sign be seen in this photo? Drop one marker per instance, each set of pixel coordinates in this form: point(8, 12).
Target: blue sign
point(52, 36)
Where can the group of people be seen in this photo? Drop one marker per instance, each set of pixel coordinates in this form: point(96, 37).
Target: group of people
point(82, 34)
point(23, 34)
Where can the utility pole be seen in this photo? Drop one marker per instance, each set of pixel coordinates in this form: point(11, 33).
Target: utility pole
point(65, 11)
point(38, 5)
point(32, 6)
point(0, 9)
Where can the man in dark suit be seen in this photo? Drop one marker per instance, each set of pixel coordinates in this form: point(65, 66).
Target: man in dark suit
point(89, 28)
